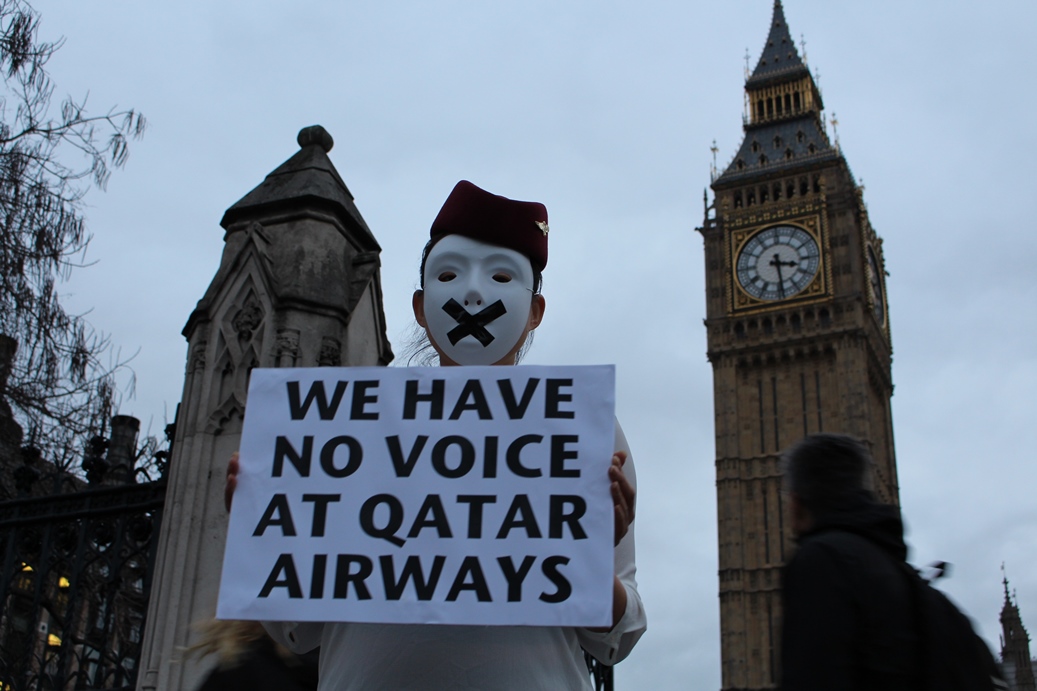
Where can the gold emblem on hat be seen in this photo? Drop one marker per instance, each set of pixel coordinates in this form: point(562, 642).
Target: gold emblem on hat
point(542, 225)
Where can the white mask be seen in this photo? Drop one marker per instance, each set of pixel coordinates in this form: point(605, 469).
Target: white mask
point(477, 299)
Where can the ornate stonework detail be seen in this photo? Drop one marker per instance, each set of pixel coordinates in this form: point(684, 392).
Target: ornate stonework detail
point(365, 269)
point(257, 232)
point(330, 353)
point(229, 414)
point(286, 350)
point(196, 363)
point(225, 373)
point(248, 318)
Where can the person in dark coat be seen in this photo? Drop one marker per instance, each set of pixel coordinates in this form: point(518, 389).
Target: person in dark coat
point(848, 611)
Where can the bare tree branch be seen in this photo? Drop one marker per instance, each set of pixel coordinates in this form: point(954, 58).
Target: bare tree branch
point(60, 384)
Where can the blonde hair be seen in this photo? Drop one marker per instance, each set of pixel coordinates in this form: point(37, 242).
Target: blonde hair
point(229, 640)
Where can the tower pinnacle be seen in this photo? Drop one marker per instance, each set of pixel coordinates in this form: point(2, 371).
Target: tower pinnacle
point(1015, 643)
point(784, 124)
point(779, 57)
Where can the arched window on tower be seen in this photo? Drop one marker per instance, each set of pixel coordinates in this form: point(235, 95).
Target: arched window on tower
point(777, 191)
point(738, 199)
point(795, 101)
point(759, 109)
point(788, 102)
point(817, 183)
point(790, 188)
point(763, 159)
point(770, 107)
point(764, 194)
point(750, 197)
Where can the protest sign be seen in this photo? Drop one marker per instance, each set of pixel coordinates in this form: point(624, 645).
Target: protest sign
point(452, 495)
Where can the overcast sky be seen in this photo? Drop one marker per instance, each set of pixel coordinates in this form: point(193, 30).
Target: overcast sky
point(605, 111)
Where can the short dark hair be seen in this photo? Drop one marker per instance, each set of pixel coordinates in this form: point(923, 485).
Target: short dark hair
point(824, 470)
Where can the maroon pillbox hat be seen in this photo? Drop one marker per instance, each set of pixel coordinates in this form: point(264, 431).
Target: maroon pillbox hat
point(480, 215)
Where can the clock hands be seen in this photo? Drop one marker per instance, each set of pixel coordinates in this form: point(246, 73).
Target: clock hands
point(777, 253)
point(777, 263)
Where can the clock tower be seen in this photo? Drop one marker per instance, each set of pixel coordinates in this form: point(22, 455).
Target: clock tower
point(798, 335)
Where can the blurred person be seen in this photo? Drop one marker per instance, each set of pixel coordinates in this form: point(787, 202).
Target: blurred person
point(848, 606)
point(247, 659)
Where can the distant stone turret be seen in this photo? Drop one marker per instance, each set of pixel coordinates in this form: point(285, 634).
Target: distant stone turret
point(1015, 647)
point(298, 286)
point(122, 449)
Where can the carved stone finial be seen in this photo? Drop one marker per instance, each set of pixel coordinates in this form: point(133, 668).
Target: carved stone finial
point(330, 353)
point(315, 135)
point(248, 318)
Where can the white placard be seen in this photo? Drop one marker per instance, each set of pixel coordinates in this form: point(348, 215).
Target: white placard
point(450, 495)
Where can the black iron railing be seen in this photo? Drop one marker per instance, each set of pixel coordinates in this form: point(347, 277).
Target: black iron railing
point(75, 574)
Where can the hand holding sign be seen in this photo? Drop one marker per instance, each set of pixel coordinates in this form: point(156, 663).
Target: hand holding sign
point(233, 468)
point(623, 495)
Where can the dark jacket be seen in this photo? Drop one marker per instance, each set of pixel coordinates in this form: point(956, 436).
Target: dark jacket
point(848, 611)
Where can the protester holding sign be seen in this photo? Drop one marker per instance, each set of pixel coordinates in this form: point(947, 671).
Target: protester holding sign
point(479, 302)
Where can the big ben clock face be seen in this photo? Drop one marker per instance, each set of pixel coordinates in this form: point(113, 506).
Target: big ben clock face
point(777, 263)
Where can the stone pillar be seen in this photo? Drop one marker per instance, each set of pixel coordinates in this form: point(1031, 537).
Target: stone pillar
point(298, 286)
point(122, 450)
